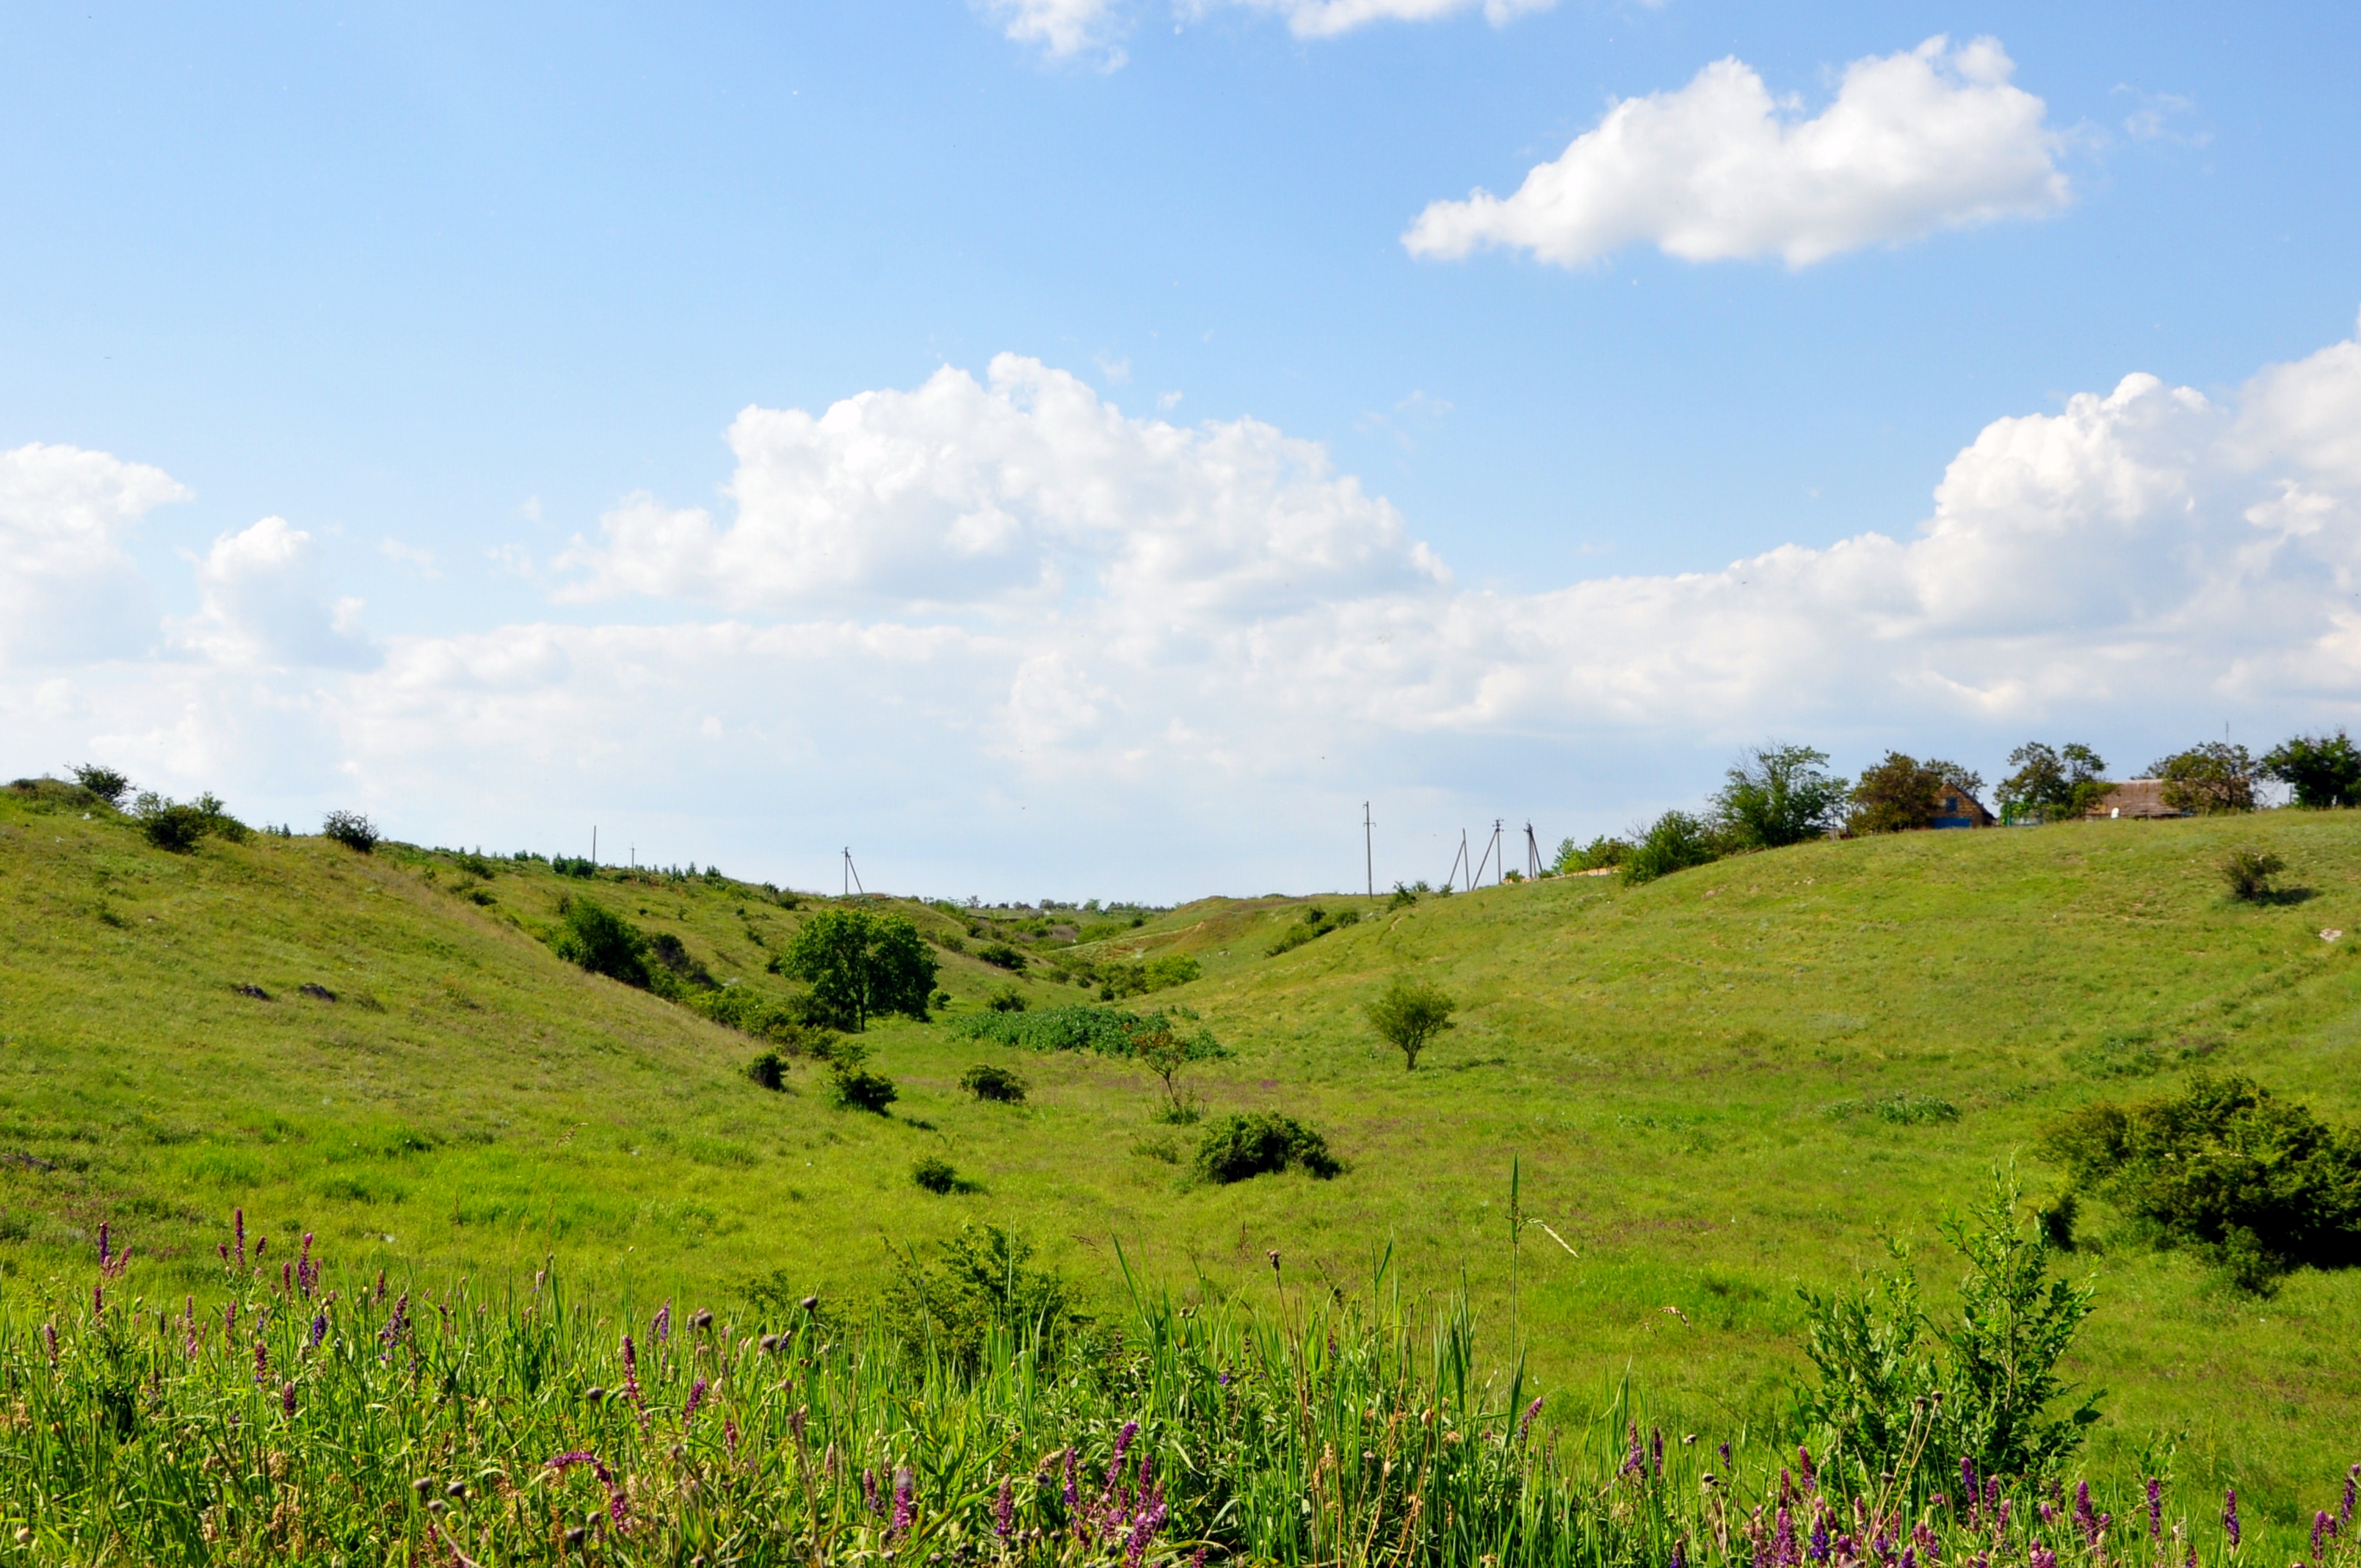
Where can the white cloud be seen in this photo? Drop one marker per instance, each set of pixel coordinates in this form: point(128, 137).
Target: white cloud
point(1936, 138)
point(68, 591)
point(1065, 29)
point(265, 603)
point(999, 624)
point(421, 560)
point(1328, 18)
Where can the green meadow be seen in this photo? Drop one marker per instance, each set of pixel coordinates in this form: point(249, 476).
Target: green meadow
point(1756, 1076)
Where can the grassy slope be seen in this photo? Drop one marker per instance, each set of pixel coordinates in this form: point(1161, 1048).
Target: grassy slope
point(1660, 1059)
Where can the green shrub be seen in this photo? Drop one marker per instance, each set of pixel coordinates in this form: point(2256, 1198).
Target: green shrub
point(2259, 1185)
point(171, 825)
point(998, 1085)
point(1601, 853)
point(1316, 923)
point(564, 866)
point(934, 1174)
point(858, 1089)
point(1007, 999)
point(978, 1281)
point(1410, 1015)
point(105, 782)
point(769, 1070)
point(1405, 894)
point(1262, 1143)
point(1674, 843)
point(1000, 955)
point(1074, 1027)
point(351, 829)
point(2249, 872)
point(602, 941)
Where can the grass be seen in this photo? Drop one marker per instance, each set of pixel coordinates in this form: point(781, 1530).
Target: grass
point(1663, 1060)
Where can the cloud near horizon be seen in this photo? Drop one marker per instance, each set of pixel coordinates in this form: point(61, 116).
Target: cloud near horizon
point(1930, 139)
point(984, 614)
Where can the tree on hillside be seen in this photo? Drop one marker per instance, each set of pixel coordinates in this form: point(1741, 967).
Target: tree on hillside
point(602, 941)
point(1165, 1052)
point(2207, 779)
point(860, 965)
point(2323, 770)
point(1901, 793)
point(1777, 795)
point(1674, 843)
point(1410, 1015)
point(2053, 783)
point(105, 782)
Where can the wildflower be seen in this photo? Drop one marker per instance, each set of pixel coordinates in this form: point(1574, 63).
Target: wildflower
point(1655, 1450)
point(262, 1364)
point(380, 1284)
point(1818, 1549)
point(2344, 1509)
point(2040, 1556)
point(904, 1504)
point(111, 1264)
point(1071, 1496)
point(662, 1328)
point(1143, 1531)
point(1968, 1484)
point(307, 1273)
point(2229, 1516)
point(1783, 1540)
point(98, 1301)
point(565, 1462)
point(695, 1397)
point(811, 1304)
point(796, 1423)
point(1004, 1510)
point(1526, 1425)
point(49, 1339)
point(261, 1243)
point(287, 1401)
point(1680, 1553)
point(1724, 1450)
point(229, 1325)
point(1803, 1458)
point(2085, 1519)
point(631, 1378)
point(241, 1238)
point(319, 1330)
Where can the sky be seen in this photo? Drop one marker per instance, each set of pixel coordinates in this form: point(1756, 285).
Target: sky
point(1086, 448)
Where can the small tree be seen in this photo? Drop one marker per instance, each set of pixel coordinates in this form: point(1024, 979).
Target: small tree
point(171, 824)
point(1777, 795)
point(351, 829)
point(1410, 1015)
point(1901, 793)
point(860, 964)
point(1674, 843)
point(602, 941)
point(1601, 853)
point(2207, 780)
point(2323, 770)
point(105, 782)
point(2053, 783)
point(1165, 1052)
point(2249, 872)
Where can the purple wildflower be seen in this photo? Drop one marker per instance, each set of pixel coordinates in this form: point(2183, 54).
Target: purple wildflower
point(1818, 1550)
point(1680, 1553)
point(869, 1491)
point(695, 1397)
point(631, 1378)
point(2344, 1510)
point(380, 1284)
point(49, 1339)
point(1526, 1425)
point(98, 1301)
point(1071, 1495)
point(229, 1325)
point(319, 1330)
point(307, 1273)
point(241, 1238)
point(1783, 1540)
point(2040, 1556)
point(287, 1401)
point(262, 1364)
point(1803, 1458)
point(2229, 1516)
point(1968, 1479)
point(261, 1245)
point(2322, 1527)
point(2085, 1519)
point(1122, 1446)
point(1004, 1510)
point(1143, 1531)
point(1724, 1450)
point(565, 1462)
point(2001, 1512)
point(662, 1328)
point(2154, 1509)
point(905, 1507)
point(1655, 1451)
point(287, 1280)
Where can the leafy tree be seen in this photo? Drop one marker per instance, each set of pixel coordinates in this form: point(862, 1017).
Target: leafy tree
point(1165, 1051)
point(1674, 843)
point(1410, 1015)
point(602, 941)
point(169, 823)
point(351, 829)
point(1600, 854)
point(2249, 875)
point(104, 782)
point(2208, 779)
point(2323, 770)
point(860, 965)
point(1903, 793)
point(1778, 796)
point(2053, 783)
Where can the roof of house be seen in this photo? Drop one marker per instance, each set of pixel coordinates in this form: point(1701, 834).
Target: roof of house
point(1957, 806)
point(2135, 798)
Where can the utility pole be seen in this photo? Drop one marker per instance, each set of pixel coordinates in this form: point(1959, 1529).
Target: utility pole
point(594, 846)
point(852, 876)
point(1500, 850)
point(1370, 849)
point(1533, 854)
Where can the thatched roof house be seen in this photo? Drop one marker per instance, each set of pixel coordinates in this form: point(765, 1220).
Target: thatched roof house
point(2136, 798)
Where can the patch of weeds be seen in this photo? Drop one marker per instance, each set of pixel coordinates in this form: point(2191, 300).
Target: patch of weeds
point(997, 1084)
point(1000, 955)
point(1164, 1149)
point(2138, 1054)
point(1899, 1109)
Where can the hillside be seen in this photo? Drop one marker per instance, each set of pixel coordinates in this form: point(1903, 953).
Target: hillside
point(1699, 1078)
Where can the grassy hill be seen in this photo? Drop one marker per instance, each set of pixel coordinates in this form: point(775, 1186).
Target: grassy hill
point(1720, 1086)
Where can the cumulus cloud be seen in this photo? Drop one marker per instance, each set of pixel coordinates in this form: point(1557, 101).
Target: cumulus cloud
point(1065, 29)
point(999, 622)
point(1328, 18)
point(68, 590)
point(266, 602)
point(1933, 138)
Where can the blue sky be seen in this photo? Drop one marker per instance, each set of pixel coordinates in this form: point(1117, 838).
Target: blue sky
point(445, 291)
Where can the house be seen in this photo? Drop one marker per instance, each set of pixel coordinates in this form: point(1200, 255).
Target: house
point(1958, 809)
point(2134, 799)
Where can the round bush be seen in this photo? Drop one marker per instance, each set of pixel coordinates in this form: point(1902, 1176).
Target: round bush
point(857, 1089)
point(769, 1070)
point(997, 1083)
point(351, 829)
point(1262, 1143)
point(934, 1174)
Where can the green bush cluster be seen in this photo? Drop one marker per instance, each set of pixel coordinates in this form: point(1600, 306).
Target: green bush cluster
point(997, 1084)
point(1316, 923)
point(2259, 1185)
point(1262, 1143)
point(180, 827)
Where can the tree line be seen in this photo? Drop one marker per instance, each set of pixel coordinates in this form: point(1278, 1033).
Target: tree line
point(1776, 794)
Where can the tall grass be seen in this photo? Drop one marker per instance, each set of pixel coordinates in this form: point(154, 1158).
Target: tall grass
point(296, 1421)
